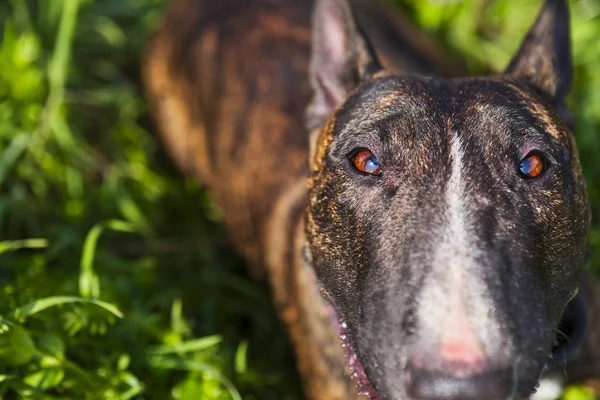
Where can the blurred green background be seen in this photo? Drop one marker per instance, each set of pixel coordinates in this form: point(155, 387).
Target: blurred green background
point(116, 280)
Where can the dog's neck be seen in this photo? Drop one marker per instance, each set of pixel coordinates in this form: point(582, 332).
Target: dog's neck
point(305, 312)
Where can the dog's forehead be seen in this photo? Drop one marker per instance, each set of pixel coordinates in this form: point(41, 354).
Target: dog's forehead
point(436, 103)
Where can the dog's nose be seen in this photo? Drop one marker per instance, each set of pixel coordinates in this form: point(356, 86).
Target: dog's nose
point(430, 385)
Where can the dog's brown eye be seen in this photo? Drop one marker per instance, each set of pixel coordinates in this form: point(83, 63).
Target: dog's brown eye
point(532, 165)
point(366, 162)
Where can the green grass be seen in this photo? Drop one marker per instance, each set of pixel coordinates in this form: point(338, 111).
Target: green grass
point(116, 280)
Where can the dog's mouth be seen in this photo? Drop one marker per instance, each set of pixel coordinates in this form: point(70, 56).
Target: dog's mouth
point(357, 371)
point(569, 336)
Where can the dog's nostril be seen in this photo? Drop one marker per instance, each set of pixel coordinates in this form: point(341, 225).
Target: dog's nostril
point(430, 385)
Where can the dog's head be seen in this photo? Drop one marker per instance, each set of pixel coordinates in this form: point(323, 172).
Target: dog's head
point(448, 219)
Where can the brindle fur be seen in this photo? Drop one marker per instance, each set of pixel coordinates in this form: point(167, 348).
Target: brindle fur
point(228, 83)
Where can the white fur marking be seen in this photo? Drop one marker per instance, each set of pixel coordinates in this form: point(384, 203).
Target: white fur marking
point(455, 305)
point(550, 389)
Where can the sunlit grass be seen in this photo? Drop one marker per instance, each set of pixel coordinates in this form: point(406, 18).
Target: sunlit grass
point(128, 288)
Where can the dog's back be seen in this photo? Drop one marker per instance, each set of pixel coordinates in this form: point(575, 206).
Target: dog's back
point(228, 81)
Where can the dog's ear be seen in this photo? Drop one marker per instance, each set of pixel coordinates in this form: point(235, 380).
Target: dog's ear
point(341, 58)
point(544, 59)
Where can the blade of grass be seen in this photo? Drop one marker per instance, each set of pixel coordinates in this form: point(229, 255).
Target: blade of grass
point(22, 244)
point(42, 304)
point(89, 284)
point(241, 358)
point(188, 346)
point(58, 66)
point(14, 151)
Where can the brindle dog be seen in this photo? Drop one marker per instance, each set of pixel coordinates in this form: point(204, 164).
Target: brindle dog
point(444, 221)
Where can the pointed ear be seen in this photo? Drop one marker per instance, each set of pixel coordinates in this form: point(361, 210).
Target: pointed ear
point(544, 59)
point(341, 59)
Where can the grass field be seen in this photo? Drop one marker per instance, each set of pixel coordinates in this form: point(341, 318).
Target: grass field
point(116, 280)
